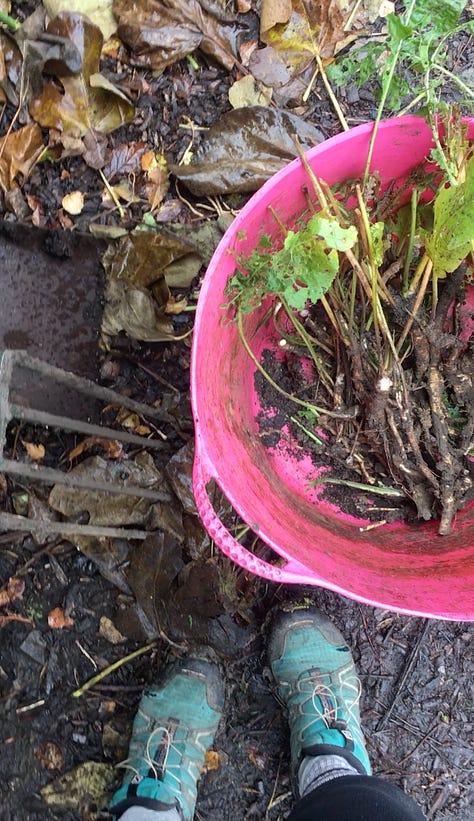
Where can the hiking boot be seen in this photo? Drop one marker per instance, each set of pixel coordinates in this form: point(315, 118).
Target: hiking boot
point(175, 725)
point(316, 680)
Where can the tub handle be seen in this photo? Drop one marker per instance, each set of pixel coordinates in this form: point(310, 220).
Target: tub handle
point(293, 572)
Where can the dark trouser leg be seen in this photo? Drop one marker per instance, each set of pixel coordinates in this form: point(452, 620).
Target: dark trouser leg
point(356, 798)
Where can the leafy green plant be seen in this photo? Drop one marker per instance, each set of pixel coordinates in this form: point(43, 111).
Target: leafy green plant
point(411, 63)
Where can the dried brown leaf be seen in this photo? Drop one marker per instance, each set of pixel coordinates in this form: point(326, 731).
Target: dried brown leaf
point(211, 761)
point(99, 12)
point(163, 31)
point(111, 447)
point(132, 310)
point(57, 620)
point(249, 92)
point(243, 149)
point(156, 170)
point(312, 28)
point(272, 13)
point(13, 590)
point(36, 452)
point(124, 159)
point(141, 257)
point(88, 101)
point(49, 756)
point(19, 152)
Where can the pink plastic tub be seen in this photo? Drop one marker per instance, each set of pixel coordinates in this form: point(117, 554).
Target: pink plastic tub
point(409, 569)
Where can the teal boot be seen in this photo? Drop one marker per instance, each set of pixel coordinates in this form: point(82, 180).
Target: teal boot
point(316, 680)
point(175, 725)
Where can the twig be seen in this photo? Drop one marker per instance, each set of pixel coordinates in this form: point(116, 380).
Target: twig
point(111, 669)
point(407, 668)
point(112, 194)
point(331, 95)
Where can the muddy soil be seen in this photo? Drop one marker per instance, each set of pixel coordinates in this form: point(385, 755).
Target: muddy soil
point(417, 676)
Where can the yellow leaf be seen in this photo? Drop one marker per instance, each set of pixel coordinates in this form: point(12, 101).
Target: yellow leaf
point(211, 761)
point(73, 203)
point(35, 452)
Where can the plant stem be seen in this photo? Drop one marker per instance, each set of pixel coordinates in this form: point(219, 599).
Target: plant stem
point(331, 95)
point(112, 193)
point(419, 97)
point(314, 180)
point(427, 268)
point(111, 668)
point(411, 239)
point(382, 490)
point(383, 99)
point(457, 80)
point(301, 330)
point(308, 432)
point(313, 408)
point(12, 24)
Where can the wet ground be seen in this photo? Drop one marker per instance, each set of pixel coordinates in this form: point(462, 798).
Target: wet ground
point(75, 609)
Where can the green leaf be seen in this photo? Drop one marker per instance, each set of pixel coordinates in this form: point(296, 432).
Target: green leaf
point(335, 236)
point(441, 16)
point(397, 30)
point(452, 237)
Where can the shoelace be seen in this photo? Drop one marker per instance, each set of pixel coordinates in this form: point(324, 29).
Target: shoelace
point(325, 703)
point(164, 768)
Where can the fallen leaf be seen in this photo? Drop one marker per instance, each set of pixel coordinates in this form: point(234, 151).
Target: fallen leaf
point(110, 556)
point(132, 310)
point(124, 159)
point(248, 92)
point(162, 32)
point(311, 28)
point(36, 206)
point(109, 632)
point(297, 32)
point(5, 618)
point(49, 756)
point(112, 509)
point(107, 231)
point(19, 152)
point(88, 101)
point(141, 257)
point(65, 221)
point(40, 52)
point(57, 620)
point(12, 591)
point(73, 203)
point(257, 758)
point(366, 11)
point(175, 306)
point(154, 566)
point(274, 12)
point(211, 761)
point(111, 447)
point(132, 422)
point(88, 784)
point(156, 170)
point(99, 12)
point(243, 149)
point(36, 452)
